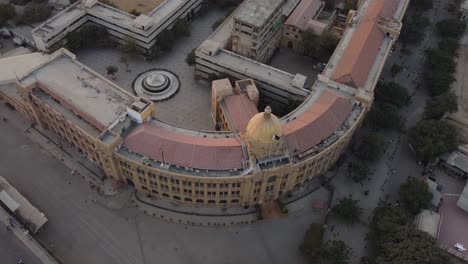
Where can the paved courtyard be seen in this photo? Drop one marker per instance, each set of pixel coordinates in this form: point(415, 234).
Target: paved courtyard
point(291, 62)
point(190, 107)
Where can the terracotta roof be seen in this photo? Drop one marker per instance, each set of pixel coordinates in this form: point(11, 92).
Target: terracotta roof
point(304, 11)
point(241, 109)
point(355, 63)
point(320, 120)
point(184, 150)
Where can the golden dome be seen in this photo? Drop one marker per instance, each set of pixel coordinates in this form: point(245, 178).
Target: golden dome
point(263, 127)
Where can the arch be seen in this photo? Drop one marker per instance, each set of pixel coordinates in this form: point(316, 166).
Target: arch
point(199, 201)
point(290, 44)
point(155, 192)
point(223, 202)
point(211, 202)
point(235, 201)
point(188, 199)
point(165, 195)
point(176, 197)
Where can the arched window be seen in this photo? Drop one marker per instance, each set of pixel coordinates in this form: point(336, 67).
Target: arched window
point(211, 201)
point(199, 201)
point(188, 200)
point(166, 195)
point(235, 201)
point(176, 198)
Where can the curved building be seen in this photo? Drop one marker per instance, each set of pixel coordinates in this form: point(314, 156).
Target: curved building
point(271, 157)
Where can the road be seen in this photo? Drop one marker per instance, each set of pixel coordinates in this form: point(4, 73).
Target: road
point(398, 162)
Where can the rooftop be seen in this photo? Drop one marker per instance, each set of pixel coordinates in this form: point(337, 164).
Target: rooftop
point(428, 222)
point(170, 145)
point(304, 11)
point(257, 12)
point(357, 59)
point(319, 120)
point(453, 226)
point(24, 209)
point(240, 110)
point(80, 89)
point(18, 66)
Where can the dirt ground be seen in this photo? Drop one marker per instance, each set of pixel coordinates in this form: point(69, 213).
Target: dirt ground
point(460, 88)
point(142, 6)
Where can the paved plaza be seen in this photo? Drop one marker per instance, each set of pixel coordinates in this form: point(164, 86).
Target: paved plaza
point(291, 62)
point(190, 107)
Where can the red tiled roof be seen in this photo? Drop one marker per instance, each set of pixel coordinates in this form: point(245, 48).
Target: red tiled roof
point(303, 12)
point(320, 120)
point(184, 150)
point(355, 63)
point(241, 109)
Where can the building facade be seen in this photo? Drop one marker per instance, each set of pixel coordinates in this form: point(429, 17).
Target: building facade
point(257, 29)
point(270, 158)
point(121, 26)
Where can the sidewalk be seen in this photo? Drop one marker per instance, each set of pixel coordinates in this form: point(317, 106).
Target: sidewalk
point(27, 239)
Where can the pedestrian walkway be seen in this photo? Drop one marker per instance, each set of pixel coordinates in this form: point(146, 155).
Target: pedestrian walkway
point(25, 238)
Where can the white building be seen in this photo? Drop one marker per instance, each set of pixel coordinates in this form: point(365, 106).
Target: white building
point(120, 25)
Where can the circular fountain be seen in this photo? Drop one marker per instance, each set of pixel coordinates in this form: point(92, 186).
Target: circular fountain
point(156, 85)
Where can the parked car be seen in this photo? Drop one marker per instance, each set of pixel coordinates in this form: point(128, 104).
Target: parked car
point(319, 66)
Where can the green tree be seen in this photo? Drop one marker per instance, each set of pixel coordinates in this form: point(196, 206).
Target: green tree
point(410, 246)
point(359, 171)
point(438, 82)
point(108, 2)
point(182, 28)
point(336, 252)
point(34, 12)
point(415, 195)
point(413, 29)
point(112, 70)
point(329, 5)
point(437, 60)
point(451, 28)
point(94, 36)
point(329, 40)
point(7, 12)
point(392, 93)
point(449, 46)
point(166, 40)
point(348, 209)
point(437, 106)
point(430, 138)
point(371, 147)
point(312, 242)
point(311, 43)
point(422, 5)
point(384, 115)
point(129, 48)
point(190, 59)
point(396, 69)
point(135, 12)
point(73, 40)
point(386, 220)
point(217, 23)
